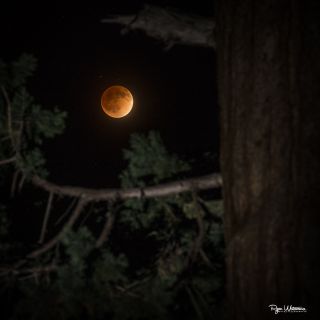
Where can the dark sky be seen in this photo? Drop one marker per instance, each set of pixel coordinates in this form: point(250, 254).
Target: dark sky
point(78, 57)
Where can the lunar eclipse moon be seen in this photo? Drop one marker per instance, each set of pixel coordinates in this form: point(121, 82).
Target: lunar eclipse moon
point(117, 101)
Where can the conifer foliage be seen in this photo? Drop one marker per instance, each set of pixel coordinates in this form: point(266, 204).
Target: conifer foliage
point(146, 258)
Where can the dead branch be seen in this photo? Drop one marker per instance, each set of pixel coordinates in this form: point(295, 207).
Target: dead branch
point(19, 136)
point(22, 180)
point(14, 183)
point(9, 117)
point(206, 182)
point(205, 258)
point(4, 271)
point(7, 161)
point(169, 26)
point(46, 218)
point(104, 235)
point(51, 243)
point(73, 202)
point(129, 293)
point(201, 232)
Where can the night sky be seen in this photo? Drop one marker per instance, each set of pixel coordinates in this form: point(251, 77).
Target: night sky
point(79, 57)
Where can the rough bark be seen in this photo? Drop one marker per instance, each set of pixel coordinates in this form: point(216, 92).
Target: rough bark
point(169, 26)
point(268, 76)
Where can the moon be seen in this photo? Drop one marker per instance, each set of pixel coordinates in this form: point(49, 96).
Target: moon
point(117, 101)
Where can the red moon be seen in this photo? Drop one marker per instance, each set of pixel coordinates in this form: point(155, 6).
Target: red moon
point(117, 101)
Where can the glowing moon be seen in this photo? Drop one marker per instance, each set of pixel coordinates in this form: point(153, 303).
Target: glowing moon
point(117, 101)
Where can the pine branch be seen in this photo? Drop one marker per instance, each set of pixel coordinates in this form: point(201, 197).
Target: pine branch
point(206, 182)
point(169, 26)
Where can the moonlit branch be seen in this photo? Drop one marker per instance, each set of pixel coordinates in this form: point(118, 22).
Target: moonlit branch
point(169, 26)
point(86, 195)
point(210, 181)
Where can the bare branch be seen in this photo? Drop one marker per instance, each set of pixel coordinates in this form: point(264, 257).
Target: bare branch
point(22, 180)
point(4, 271)
point(104, 235)
point(169, 26)
point(51, 243)
point(9, 116)
point(129, 293)
point(210, 181)
point(14, 183)
point(7, 161)
point(205, 258)
point(73, 202)
point(199, 239)
point(46, 218)
point(19, 136)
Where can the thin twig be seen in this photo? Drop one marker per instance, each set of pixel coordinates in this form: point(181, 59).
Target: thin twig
point(205, 259)
point(22, 180)
point(66, 212)
point(194, 303)
point(9, 116)
point(40, 269)
point(46, 218)
point(14, 183)
point(6, 161)
point(199, 239)
point(86, 215)
point(104, 235)
point(19, 137)
point(129, 293)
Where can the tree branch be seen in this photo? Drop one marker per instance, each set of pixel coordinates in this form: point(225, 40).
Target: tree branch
point(205, 258)
point(199, 239)
point(210, 181)
point(9, 117)
point(31, 270)
point(14, 183)
point(104, 235)
point(46, 218)
point(71, 205)
point(6, 161)
point(169, 26)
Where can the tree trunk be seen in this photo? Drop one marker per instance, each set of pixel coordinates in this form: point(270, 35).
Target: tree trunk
point(269, 90)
